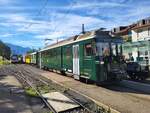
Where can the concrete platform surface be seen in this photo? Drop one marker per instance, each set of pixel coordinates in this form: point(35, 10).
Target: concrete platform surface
point(59, 101)
point(11, 98)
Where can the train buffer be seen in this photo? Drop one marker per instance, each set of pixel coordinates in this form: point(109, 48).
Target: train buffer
point(60, 102)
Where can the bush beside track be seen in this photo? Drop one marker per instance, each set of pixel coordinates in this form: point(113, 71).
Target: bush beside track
point(4, 61)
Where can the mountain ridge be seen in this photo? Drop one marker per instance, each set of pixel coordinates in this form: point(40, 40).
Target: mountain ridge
point(18, 50)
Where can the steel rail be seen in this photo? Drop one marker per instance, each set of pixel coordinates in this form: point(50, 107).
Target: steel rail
point(31, 85)
point(22, 74)
point(69, 97)
point(81, 105)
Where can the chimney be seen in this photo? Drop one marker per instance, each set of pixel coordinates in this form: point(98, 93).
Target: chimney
point(83, 31)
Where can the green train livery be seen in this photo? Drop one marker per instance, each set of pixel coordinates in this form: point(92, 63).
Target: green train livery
point(95, 56)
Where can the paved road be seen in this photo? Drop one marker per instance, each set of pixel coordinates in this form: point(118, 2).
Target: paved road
point(123, 99)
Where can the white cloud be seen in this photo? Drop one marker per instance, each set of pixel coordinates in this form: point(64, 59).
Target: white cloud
point(28, 43)
point(99, 4)
point(71, 25)
point(7, 35)
point(65, 26)
point(58, 24)
point(51, 35)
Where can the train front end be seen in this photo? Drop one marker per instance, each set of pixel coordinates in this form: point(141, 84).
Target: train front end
point(110, 64)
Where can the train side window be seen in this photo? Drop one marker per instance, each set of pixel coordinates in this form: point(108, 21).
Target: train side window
point(68, 52)
point(146, 52)
point(88, 49)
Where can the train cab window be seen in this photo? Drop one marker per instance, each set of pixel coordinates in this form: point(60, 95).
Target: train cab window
point(114, 49)
point(103, 49)
point(119, 49)
point(88, 50)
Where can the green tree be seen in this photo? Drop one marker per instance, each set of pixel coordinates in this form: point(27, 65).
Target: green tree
point(5, 51)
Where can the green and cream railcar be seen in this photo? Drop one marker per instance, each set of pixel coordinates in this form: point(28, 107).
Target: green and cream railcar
point(95, 56)
point(33, 57)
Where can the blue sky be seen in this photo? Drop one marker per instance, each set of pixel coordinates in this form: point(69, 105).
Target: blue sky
point(28, 22)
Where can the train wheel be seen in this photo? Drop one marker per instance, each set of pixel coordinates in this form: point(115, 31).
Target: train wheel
point(63, 73)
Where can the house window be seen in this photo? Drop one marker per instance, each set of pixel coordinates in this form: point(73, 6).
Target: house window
point(149, 31)
point(137, 34)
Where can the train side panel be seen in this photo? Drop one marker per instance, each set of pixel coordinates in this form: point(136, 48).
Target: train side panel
point(28, 59)
point(87, 61)
point(67, 58)
point(51, 58)
point(57, 58)
point(33, 58)
point(61, 58)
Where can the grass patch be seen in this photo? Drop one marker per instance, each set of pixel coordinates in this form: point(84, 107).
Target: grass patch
point(41, 88)
point(4, 62)
point(31, 92)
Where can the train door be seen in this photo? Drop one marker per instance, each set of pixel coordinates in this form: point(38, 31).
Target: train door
point(76, 65)
point(40, 60)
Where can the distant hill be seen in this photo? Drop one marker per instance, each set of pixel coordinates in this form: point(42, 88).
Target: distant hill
point(18, 49)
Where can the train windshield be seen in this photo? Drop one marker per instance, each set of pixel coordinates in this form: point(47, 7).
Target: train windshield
point(108, 49)
point(103, 49)
point(115, 49)
point(14, 57)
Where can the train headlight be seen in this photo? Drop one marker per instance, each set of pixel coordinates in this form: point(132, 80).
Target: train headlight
point(101, 62)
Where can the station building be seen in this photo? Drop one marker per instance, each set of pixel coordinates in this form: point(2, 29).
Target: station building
point(136, 37)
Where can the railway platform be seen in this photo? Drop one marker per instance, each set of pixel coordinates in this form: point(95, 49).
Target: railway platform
point(118, 98)
point(11, 98)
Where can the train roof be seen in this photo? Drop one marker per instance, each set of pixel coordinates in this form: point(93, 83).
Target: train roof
point(33, 53)
point(77, 38)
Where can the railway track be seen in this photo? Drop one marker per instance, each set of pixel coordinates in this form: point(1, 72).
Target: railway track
point(134, 86)
point(27, 81)
point(39, 93)
point(23, 78)
point(32, 80)
point(124, 92)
